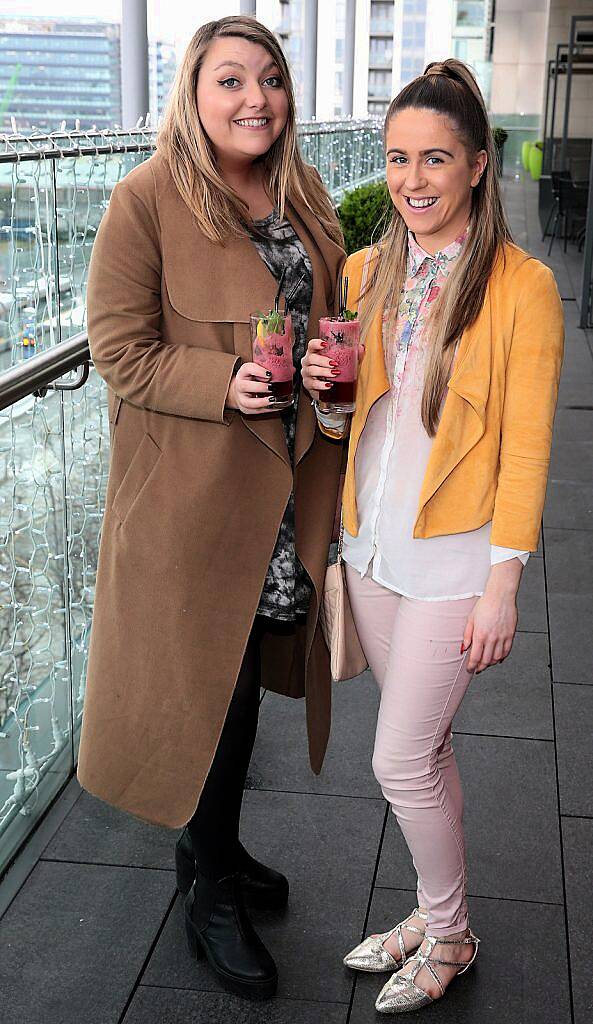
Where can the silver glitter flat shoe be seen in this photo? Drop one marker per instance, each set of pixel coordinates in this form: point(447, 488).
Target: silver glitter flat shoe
point(371, 954)
point(401, 995)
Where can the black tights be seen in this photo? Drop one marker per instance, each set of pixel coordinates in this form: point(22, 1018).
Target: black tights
point(214, 828)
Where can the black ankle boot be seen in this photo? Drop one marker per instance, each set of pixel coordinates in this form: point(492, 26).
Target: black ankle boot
point(261, 886)
point(217, 926)
point(185, 862)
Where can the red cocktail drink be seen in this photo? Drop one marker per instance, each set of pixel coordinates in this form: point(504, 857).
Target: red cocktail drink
point(272, 338)
point(342, 338)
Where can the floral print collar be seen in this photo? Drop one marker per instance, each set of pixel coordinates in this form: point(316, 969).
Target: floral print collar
point(440, 260)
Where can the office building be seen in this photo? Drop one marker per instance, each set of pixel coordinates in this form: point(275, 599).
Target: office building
point(162, 67)
point(55, 69)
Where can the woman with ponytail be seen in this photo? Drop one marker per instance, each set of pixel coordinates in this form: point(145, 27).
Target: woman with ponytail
point(447, 465)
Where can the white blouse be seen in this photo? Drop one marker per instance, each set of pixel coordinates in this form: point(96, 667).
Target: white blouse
point(392, 457)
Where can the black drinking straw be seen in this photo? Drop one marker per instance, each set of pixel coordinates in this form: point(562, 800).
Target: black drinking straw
point(280, 283)
point(292, 293)
point(343, 297)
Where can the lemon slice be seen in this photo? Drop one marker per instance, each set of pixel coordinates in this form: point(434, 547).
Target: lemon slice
point(261, 329)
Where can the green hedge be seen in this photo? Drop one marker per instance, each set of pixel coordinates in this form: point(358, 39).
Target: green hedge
point(364, 213)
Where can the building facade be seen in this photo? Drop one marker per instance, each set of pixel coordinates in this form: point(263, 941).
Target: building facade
point(394, 40)
point(57, 69)
point(162, 67)
point(53, 70)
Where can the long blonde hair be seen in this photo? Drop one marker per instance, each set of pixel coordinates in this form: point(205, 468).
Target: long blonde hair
point(219, 211)
point(447, 88)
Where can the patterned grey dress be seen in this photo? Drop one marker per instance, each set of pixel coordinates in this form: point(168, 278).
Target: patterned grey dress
point(287, 588)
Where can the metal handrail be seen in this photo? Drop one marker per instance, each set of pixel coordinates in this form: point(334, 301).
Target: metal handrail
point(40, 372)
point(58, 145)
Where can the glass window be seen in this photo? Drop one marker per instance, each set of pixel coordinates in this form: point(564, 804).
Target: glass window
point(471, 13)
point(379, 83)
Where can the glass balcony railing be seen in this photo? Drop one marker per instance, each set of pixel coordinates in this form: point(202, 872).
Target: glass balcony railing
point(54, 444)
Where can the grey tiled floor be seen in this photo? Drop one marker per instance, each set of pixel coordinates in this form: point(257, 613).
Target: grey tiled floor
point(95, 932)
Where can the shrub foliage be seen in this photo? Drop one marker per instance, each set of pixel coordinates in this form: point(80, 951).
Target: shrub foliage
point(364, 213)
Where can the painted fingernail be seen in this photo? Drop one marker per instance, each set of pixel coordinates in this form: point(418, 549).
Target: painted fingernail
point(268, 375)
point(335, 373)
point(332, 363)
point(462, 651)
point(329, 383)
point(270, 386)
point(324, 344)
point(271, 399)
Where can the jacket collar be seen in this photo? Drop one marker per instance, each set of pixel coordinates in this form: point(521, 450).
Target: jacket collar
point(441, 259)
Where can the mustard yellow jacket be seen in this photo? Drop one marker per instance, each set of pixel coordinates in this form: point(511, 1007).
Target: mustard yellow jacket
point(490, 456)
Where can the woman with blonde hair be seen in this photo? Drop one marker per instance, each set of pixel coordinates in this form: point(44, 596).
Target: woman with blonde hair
point(216, 531)
point(447, 465)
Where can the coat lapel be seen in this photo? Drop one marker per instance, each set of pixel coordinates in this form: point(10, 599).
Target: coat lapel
point(372, 375)
point(463, 420)
point(238, 283)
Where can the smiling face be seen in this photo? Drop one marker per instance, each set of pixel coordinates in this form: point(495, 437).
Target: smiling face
point(242, 102)
point(430, 176)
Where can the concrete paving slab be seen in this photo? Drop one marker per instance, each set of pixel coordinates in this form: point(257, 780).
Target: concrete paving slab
point(75, 939)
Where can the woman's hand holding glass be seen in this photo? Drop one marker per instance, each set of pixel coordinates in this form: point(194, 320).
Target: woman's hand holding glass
point(249, 390)
point(318, 371)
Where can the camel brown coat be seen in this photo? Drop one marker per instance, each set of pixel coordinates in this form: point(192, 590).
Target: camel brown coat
point(195, 498)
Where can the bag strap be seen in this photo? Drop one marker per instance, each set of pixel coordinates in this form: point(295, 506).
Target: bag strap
point(340, 539)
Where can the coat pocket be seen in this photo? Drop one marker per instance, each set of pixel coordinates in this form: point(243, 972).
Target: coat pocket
point(143, 462)
point(113, 407)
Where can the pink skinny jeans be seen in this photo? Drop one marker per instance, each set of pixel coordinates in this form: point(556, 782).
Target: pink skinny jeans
point(413, 650)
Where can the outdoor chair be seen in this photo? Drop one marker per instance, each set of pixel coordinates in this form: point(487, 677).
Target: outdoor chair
point(572, 210)
point(573, 203)
point(555, 176)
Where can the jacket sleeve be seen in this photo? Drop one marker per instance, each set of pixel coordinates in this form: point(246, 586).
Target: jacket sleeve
point(531, 390)
point(124, 317)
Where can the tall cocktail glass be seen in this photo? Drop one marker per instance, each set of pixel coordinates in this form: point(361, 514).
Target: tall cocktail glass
point(342, 338)
point(272, 340)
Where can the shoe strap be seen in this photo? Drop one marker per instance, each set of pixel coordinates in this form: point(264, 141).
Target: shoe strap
point(453, 942)
point(423, 960)
point(398, 932)
point(427, 960)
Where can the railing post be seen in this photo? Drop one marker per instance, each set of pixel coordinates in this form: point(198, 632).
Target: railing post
point(134, 62)
point(349, 40)
point(553, 153)
point(546, 110)
point(310, 60)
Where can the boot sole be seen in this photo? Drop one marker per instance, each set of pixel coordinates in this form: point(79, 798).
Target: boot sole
point(186, 875)
point(253, 990)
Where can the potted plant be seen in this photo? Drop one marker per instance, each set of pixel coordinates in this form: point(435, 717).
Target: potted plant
point(500, 137)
